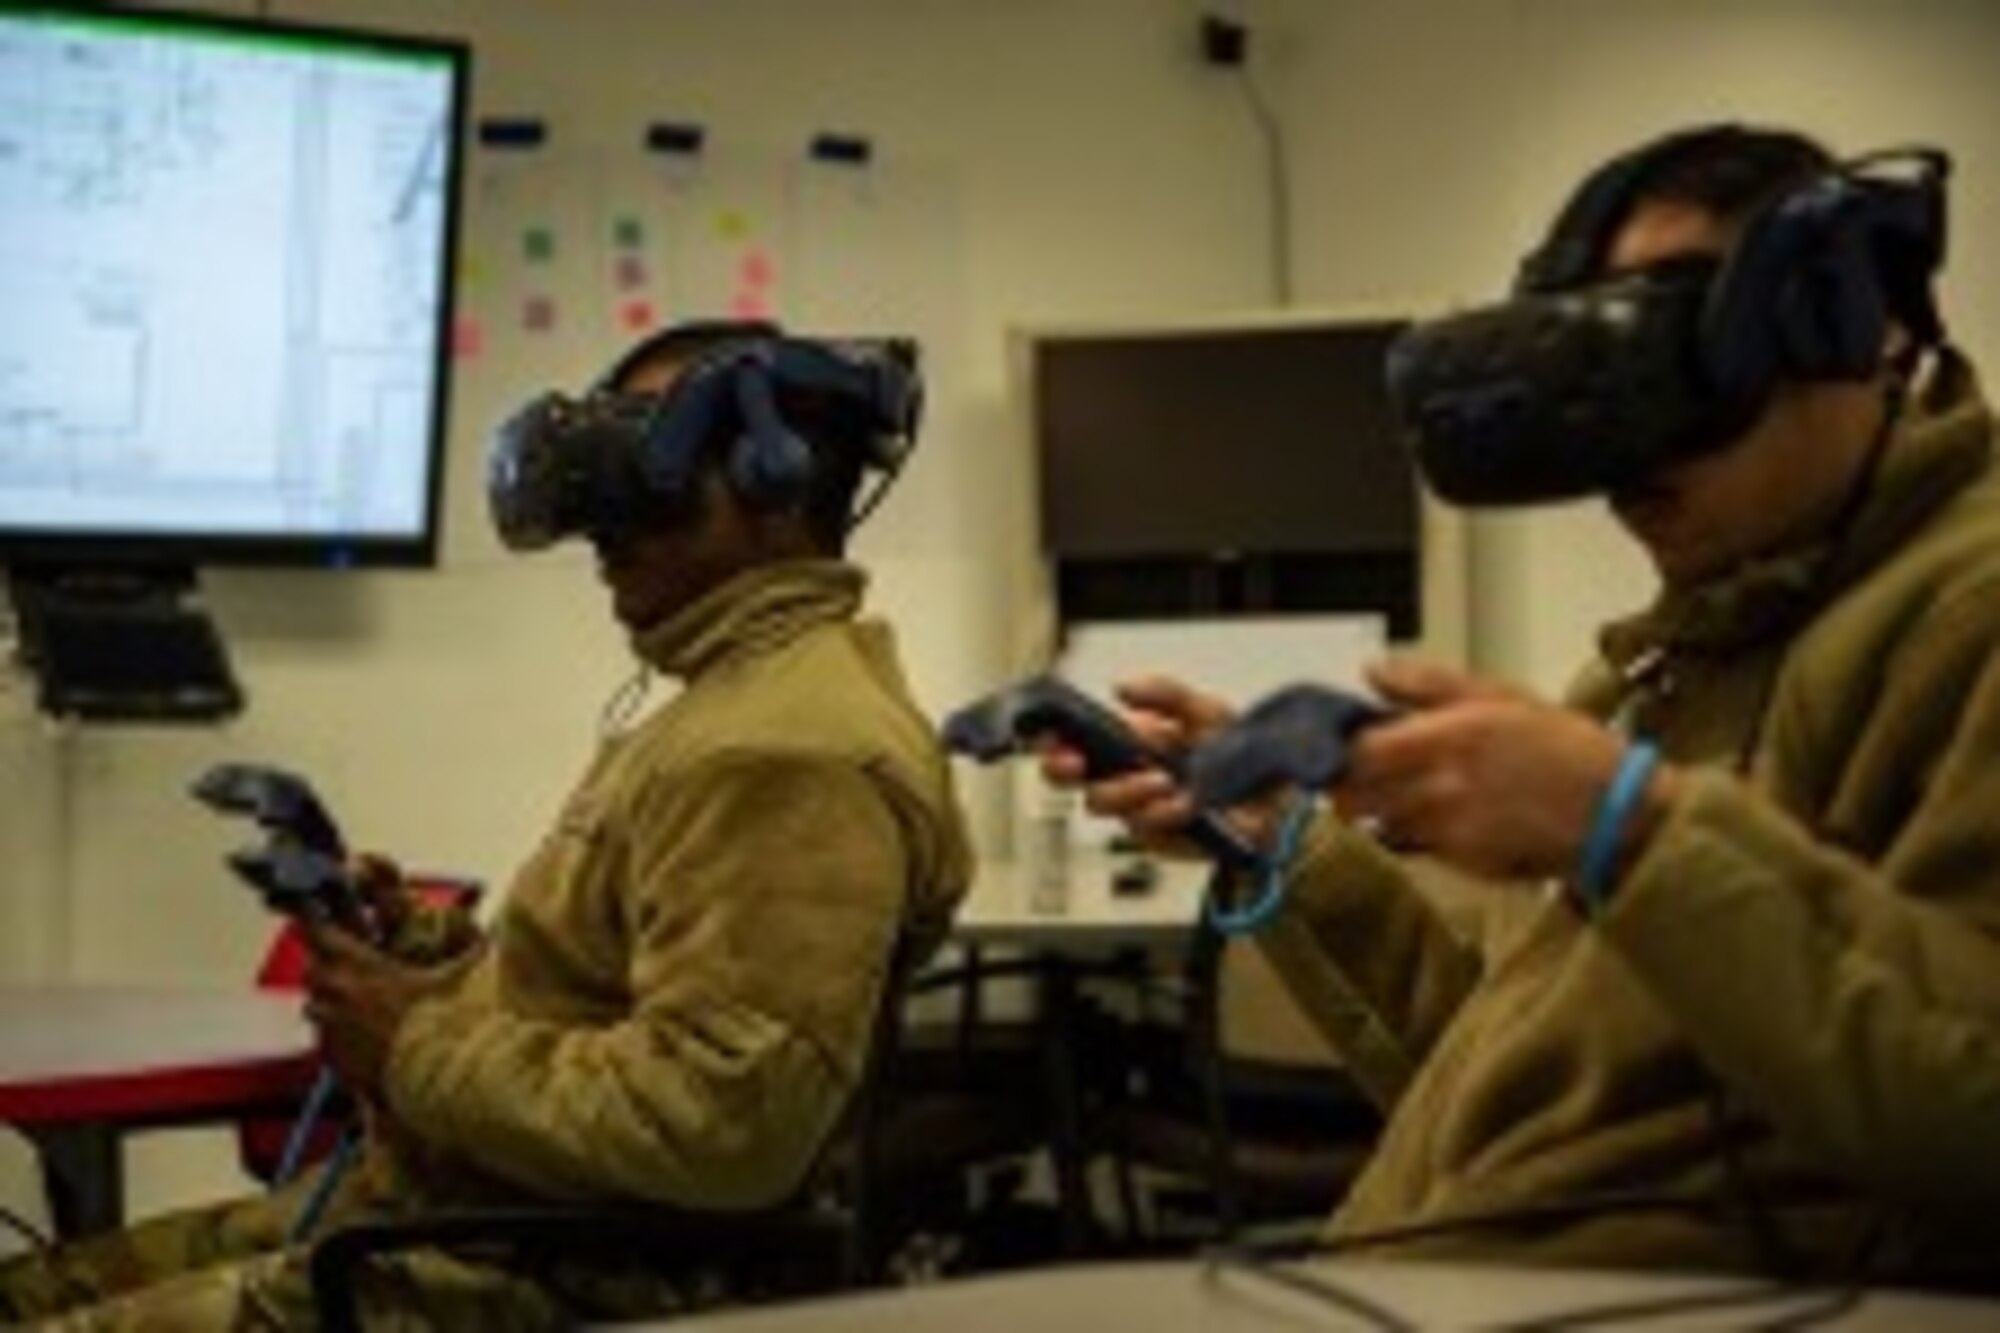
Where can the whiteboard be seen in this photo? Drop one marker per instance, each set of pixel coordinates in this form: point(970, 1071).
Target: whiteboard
point(1239, 658)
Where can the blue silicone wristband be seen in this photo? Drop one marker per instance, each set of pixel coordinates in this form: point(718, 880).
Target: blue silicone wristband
point(1599, 859)
point(1275, 870)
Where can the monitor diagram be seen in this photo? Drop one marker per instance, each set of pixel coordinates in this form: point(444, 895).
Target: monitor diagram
point(223, 279)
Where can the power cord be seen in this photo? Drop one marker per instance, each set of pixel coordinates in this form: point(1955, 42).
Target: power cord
point(1315, 1285)
point(624, 703)
point(1807, 1307)
point(1813, 1308)
point(37, 1238)
point(1226, 45)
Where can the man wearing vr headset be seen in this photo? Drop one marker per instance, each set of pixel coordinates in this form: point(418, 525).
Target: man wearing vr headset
point(675, 1003)
point(1750, 1016)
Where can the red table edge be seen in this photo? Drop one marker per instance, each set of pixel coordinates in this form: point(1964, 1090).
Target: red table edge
point(158, 1093)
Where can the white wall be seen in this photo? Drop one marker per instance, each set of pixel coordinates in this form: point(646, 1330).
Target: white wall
point(1436, 137)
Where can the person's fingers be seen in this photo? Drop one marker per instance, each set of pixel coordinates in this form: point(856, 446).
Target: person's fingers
point(335, 945)
point(1169, 713)
point(1129, 794)
point(378, 881)
point(1396, 751)
point(1061, 765)
point(1415, 683)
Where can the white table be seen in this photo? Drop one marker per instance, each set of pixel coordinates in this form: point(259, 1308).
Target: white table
point(1005, 912)
point(1183, 1297)
point(80, 1064)
point(1002, 908)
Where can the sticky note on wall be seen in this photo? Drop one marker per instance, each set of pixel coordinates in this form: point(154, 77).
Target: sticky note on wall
point(638, 316)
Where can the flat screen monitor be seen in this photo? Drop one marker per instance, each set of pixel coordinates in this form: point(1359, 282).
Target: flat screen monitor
point(225, 288)
point(1267, 439)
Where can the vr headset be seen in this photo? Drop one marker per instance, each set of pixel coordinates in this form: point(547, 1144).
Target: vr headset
point(1585, 382)
point(606, 465)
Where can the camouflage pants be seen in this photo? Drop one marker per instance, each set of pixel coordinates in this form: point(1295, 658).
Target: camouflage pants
point(228, 1267)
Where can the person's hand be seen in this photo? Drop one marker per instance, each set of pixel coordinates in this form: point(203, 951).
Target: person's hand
point(403, 921)
point(1485, 776)
point(1170, 718)
point(357, 997)
point(385, 896)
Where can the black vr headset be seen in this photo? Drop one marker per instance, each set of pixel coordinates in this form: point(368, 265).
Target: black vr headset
point(606, 465)
point(1586, 382)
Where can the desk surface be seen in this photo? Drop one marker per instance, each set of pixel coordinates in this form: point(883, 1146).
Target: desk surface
point(87, 1052)
point(1004, 907)
point(1184, 1297)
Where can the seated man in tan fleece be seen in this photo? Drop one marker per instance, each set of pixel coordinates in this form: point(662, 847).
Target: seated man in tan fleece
point(675, 1001)
point(1752, 1018)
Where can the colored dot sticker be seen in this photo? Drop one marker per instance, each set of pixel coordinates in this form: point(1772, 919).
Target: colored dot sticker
point(628, 233)
point(757, 271)
point(629, 272)
point(638, 316)
point(538, 314)
point(731, 225)
point(538, 245)
point(468, 339)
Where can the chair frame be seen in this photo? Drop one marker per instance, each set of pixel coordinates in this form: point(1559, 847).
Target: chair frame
point(806, 1225)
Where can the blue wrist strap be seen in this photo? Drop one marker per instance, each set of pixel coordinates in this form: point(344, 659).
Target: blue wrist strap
point(1272, 874)
point(1599, 859)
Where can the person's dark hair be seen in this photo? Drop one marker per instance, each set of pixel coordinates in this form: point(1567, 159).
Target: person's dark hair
point(684, 342)
point(1728, 170)
point(838, 432)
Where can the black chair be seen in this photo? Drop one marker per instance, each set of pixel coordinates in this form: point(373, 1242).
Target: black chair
point(826, 1234)
point(1242, 1140)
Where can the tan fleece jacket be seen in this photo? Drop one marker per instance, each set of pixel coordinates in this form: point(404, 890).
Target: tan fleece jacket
point(1803, 964)
point(677, 996)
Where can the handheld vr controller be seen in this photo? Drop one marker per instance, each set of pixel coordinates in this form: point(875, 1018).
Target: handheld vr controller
point(1007, 721)
point(1300, 735)
point(301, 868)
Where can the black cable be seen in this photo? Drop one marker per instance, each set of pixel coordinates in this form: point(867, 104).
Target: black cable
point(875, 496)
point(1605, 1203)
point(1755, 1211)
point(1278, 185)
point(1818, 1306)
point(1774, 1249)
point(624, 702)
point(1838, 1301)
point(26, 1230)
point(1317, 1286)
point(1809, 1307)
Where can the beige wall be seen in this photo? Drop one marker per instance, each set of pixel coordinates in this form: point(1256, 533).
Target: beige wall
point(1436, 137)
point(1101, 176)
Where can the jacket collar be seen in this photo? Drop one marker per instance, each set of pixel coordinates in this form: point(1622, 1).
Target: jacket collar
point(1942, 445)
point(755, 611)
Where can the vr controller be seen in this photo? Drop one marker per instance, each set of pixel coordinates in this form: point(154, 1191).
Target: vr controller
point(301, 868)
point(1301, 735)
point(1007, 721)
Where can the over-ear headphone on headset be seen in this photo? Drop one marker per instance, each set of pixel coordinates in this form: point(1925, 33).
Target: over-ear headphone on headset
point(606, 464)
point(1585, 381)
